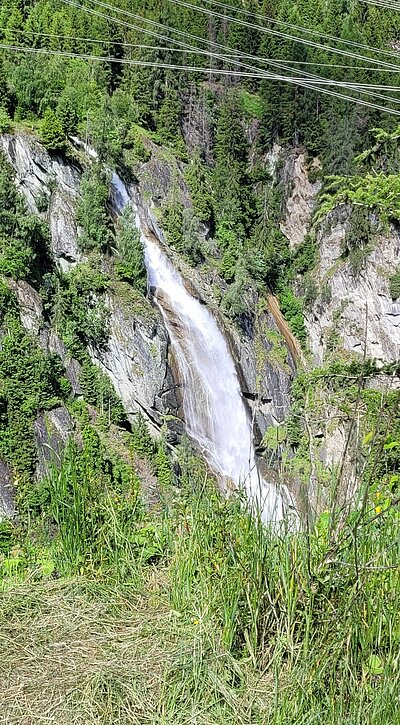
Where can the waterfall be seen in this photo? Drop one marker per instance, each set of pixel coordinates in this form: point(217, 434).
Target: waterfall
point(215, 413)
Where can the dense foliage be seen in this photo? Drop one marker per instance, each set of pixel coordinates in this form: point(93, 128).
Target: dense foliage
point(272, 625)
point(206, 123)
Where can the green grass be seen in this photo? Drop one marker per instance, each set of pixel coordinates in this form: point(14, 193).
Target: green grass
point(251, 104)
point(197, 613)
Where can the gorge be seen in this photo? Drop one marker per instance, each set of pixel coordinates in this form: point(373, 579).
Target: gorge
point(199, 362)
point(214, 410)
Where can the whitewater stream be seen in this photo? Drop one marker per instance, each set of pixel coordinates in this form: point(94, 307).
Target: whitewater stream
point(215, 413)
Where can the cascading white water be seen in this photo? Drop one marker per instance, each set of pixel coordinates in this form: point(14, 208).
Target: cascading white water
point(215, 413)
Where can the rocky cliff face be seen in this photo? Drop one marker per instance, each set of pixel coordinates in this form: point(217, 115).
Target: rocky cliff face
point(265, 365)
point(136, 354)
point(351, 315)
point(300, 195)
point(135, 358)
point(47, 182)
point(354, 311)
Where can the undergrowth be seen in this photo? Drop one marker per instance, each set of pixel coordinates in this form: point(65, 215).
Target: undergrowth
point(195, 611)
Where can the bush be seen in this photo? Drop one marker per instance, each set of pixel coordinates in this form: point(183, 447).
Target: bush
point(51, 132)
point(129, 264)
point(80, 311)
point(394, 286)
point(5, 121)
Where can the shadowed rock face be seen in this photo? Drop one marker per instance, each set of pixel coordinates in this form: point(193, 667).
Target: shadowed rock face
point(51, 433)
point(7, 492)
point(136, 360)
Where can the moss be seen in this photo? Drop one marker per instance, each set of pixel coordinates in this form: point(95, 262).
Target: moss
point(278, 355)
point(132, 302)
point(251, 103)
point(394, 285)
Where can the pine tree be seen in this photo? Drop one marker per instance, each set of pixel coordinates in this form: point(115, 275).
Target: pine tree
point(198, 182)
point(129, 264)
point(92, 213)
point(169, 120)
point(4, 93)
point(51, 132)
point(173, 222)
point(141, 438)
point(163, 465)
point(67, 114)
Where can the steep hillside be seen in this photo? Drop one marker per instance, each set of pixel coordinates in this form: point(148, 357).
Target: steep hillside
point(199, 362)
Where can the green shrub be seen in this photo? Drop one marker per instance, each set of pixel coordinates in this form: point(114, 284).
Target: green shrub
point(394, 286)
point(52, 134)
point(80, 312)
point(5, 121)
point(129, 263)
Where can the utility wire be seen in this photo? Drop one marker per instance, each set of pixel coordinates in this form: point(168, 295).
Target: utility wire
point(224, 58)
point(316, 78)
point(384, 5)
point(146, 64)
point(270, 31)
point(300, 28)
point(232, 52)
point(234, 55)
point(157, 64)
point(207, 71)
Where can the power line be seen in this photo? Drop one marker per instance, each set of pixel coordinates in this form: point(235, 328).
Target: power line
point(301, 83)
point(224, 58)
point(207, 71)
point(308, 31)
point(385, 5)
point(158, 64)
point(225, 17)
point(234, 55)
point(128, 61)
point(314, 77)
point(270, 31)
point(232, 52)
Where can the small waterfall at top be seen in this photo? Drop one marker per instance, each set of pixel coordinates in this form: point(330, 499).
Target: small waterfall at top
point(215, 413)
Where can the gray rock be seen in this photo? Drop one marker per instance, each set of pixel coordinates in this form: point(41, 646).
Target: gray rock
point(301, 202)
point(360, 312)
point(36, 174)
point(30, 305)
point(7, 492)
point(136, 361)
point(51, 433)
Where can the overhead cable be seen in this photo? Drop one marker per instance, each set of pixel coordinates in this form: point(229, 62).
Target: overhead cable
point(271, 31)
point(224, 57)
point(300, 28)
point(232, 52)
